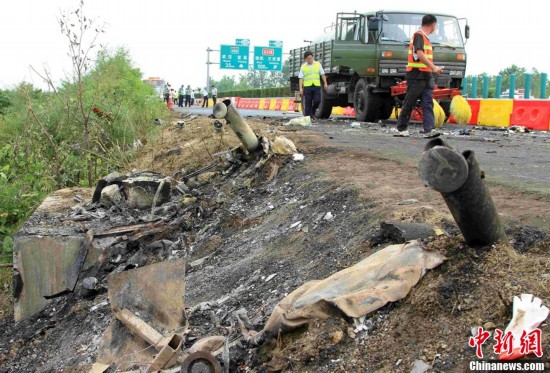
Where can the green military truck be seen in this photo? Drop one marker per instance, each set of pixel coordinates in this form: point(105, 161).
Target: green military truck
point(365, 54)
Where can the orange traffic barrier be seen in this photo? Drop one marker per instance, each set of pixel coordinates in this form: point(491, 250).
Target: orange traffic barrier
point(495, 112)
point(337, 110)
point(284, 105)
point(267, 103)
point(348, 111)
point(291, 105)
point(474, 105)
point(256, 104)
point(533, 114)
point(278, 104)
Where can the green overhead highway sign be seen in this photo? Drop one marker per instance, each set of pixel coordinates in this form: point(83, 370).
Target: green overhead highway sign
point(268, 58)
point(234, 57)
point(243, 42)
point(276, 43)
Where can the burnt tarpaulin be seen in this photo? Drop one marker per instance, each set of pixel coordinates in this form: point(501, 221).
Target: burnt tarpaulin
point(385, 276)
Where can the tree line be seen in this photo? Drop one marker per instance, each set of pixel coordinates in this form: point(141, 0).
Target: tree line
point(74, 132)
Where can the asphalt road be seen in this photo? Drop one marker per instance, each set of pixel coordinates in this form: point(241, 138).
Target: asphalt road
point(244, 112)
point(519, 160)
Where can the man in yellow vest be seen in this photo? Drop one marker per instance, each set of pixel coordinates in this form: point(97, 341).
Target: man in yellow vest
point(420, 81)
point(188, 92)
point(310, 77)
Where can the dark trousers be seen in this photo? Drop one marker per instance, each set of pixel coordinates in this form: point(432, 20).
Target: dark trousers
point(180, 101)
point(312, 99)
point(187, 100)
point(214, 97)
point(205, 101)
point(418, 89)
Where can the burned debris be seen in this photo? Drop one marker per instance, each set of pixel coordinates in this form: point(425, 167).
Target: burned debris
point(215, 268)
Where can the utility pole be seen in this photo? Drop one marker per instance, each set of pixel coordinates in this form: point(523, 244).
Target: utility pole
point(208, 63)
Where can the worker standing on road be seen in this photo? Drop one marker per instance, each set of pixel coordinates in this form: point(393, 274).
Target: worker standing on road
point(181, 95)
point(214, 94)
point(310, 77)
point(166, 93)
point(188, 92)
point(420, 81)
point(204, 94)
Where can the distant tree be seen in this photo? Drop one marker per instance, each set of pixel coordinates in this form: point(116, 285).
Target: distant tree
point(5, 101)
point(226, 83)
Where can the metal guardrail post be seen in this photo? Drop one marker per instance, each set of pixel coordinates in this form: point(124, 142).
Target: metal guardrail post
point(527, 91)
point(464, 86)
point(460, 181)
point(473, 93)
point(485, 90)
point(498, 89)
point(512, 90)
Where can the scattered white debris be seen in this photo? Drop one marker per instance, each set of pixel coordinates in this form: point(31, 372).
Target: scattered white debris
point(328, 216)
point(270, 277)
point(104, 303)
point(299, 121)
point(410, 201)
point(298, 157)
point(295, 224)
point(420, 366)
point(355, 125)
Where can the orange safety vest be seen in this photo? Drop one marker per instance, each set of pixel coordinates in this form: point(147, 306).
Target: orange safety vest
point(428, 52)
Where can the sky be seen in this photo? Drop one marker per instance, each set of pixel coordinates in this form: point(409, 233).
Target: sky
point(168, 39)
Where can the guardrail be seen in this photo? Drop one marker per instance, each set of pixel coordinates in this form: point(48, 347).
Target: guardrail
point(470, 87)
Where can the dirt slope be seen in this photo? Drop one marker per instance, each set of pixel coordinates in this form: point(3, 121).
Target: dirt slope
point(242, 221)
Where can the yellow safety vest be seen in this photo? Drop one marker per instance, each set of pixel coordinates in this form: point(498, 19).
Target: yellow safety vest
point(188, 91)
point(312, 74)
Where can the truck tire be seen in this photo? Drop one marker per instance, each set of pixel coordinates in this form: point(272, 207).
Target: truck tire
point(386, 106)
point(366, 103)
point(360, 100)
point(325, 107)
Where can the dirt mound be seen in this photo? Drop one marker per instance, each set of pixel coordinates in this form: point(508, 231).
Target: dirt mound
point(262, 231)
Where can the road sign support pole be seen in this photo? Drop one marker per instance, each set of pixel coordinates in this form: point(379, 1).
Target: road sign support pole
point(208, 50)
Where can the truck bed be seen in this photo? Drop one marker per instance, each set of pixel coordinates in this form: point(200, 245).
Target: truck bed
point(321, 51)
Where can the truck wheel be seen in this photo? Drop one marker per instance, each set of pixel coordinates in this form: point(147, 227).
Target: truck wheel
point(374, 103)
point(325, 107)
point(360, 100)
point(386, 106)
point(366, 103)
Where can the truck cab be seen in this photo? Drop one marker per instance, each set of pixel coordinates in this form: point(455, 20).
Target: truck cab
point(365, 54)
